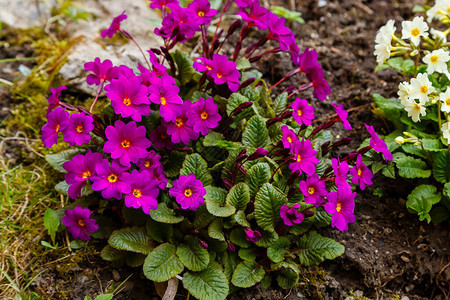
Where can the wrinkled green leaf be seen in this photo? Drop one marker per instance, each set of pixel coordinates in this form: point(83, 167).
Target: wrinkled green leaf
point(241, 218)
point(160, 232)
point(238, 196)
point(57, 160)
point(165, 215)
point(280, 102)
point(441, 170)
point(243, 63)
point(111, 254)
point(421, 200)
point(52, 221)
point(192, 254)
point(278, 250)
point(247, 274)
point(256, 134)
point(237, 237)
point(162, 263)
point(133, 239)
point(258, 175)
point(216, 204)
point(209, 284)
point(215, 230)
point(184, 65)
point(267, 206)
point(287, 278)
point(316, 248)
point(196, 165)
point(409, 167)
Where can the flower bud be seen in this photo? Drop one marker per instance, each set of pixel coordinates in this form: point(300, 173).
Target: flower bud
point(308, 213)
point(260, 152)
point(400, 140)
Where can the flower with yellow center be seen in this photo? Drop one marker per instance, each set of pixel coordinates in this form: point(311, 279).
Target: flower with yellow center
point(137, 193)
point(338, 207)
point(299, 158)
point(437, 61)
point(445, 99)
point(179, 122)
point(127, 101)
point(112, 178)
point(383, 42)
point(81, 222)
point(57, 127)
point(421, 87)
point(414, 30)
point(188, 192)
point(86, 174)
point(415, 110)
point(163, 101)
point(445, 128)
point(204, 115)
point(201, 13)
point(125, 144)
point(79, 128)
point(299, 112)
point(311, 190)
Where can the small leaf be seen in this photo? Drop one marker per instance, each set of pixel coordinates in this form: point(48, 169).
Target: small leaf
point(237, 237)
point(104, 297)
point(184, 64)
point(256, 177)
point(215, 230)
point(52, 221)
point(165, 215)
point(287, 278)
point(172, 166)
point(247, 254)
point(268, 202)
point(216, 204)
point(57, 160)
point(441, 170)
point(209, 284)
point(132, 239)
point(391, 109)
point(316, 248)
point(192, 254)
point(243, 63)
point(241, 219)
point(280, 103)
point(247, 274)
point(409, 167)
point(160, 232)
point(421, 199)
point(63, 188)
point(212, 138)
point(196, 165)
point(278, 250)
point(162, 263)
point(111, 254)
point(256, 134)
point(239, 196)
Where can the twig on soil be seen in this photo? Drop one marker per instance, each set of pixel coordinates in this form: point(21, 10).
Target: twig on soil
point(392, 277)
point(171, 290)
point(444, 291)
point(363, 7)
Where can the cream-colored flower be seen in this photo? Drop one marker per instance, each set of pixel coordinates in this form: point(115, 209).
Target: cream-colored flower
point(383, 42)
point(404, 91)
point(421, 87)
point(445, 128)
point(440, 9)
point(437, 33)
point(445, 98)
point(415, 110)
point(437, 61)
point(414, 30)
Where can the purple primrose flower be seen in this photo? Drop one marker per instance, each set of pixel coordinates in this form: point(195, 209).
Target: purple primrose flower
point(291, 215)
point(57, 121)
point(203, 12)
point(307, 61)
point(164, 91)
point(79, 223)
point(305, 158)
point(302, 112)
point(340, 173)
point(53, 99)
point(203, 64)
point(150, 161)
point(361, 174)
point(252, 235)
point(289, 137)
point(321, 87)
point(162, 4)
point(224, 71)
point(342, 115)
point(160, 138)
point(314, 190)
point(126, 142)
point(378, 144)
point(256, 16)
point(279, 32)
point(111, 179)
point(203, 116)
point(180, 131)
point(341, 206)
point(78, 129)
point(103, 71)
point(144, 191)
point(114, 27)
point(188, 192)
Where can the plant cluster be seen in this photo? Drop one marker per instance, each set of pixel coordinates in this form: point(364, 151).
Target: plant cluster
point(194, 169)
point(421, 114)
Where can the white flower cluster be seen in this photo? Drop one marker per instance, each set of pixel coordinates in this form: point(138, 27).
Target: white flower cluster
point(440, 9)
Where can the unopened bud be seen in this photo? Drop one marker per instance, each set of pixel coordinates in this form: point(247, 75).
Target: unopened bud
point(309, 213)
point(400, 140)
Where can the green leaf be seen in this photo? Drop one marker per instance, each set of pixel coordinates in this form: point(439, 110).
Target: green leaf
point(135, 260)
point(172, 166)
point(63, 188)
point(321, 218)
point(234, 101)
point(209, 284)
point(418, 9)
point(57, 160)
point(316, 248)
point(104, 297)
point(133, 239)
point(267, 239)
point(237, 237)
point(391, 109)
point(111, 254)
point(247, 274)
point(165, 215)
point(192, 254)
point(241, 218)
point(247, 254)
point(216, 204)
point(287, 14)
point(256, 134)
point(421, 199)
point(439, 214)
point(212, 138)
point(287, 278)
point(278, 250)
point(409, 167)
point(239, 196)
point(162, 263)
point(433, 145)
point(243, 63)
point(441, 170)
point(389, 170)
point(280, 103)
point(184, 64)
point(267, 206)
point(160, 232)
point(52, 221)
point(215, 230)
point(195, 164)
point(258, 175)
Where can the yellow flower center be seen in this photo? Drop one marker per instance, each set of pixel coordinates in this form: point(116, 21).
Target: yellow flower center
point(289, 139)
point(416, 106)
point(147, 163)
point(447, 102)
point(188, 192)
point(79, 128)
point(423, 89)
point(179, 122)
point(299, 112)
point(81, 222)
point(112, 178)
point(163, 101)
point(86, 174)
point(219, 75)
point(338, 207)
point(208, 68)
point(125, 144)
point(201, 13)
point(311, 190)
point(204, 115)
point(359, 172)
point(415, 32)
point(127, 101)
point(137, 193)
point(434, 59)
point(57, 128)
point(299, 158)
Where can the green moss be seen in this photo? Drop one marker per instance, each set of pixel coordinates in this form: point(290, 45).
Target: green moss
point(312, 280)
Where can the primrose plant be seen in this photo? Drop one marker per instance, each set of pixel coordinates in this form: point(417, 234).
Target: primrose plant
point(194, 170)
point(421, 114)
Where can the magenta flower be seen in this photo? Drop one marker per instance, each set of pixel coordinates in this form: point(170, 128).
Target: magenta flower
point(361, 174)
point(188, 192)
point(224, 71)
point(162, 4)
point(111, 179)
point(126, 142)
point(203, 116)
point(144, 191)
point(164, 91)
point(252, 235)
point(340, 173)
point(378, 144)
point(341, 206)
point(158, 68)
point(291, 215)
point(160, 138)
point(203, 12)
point(129, 97)
point(321, 87)
point(53, 99)
point(103, 71)
point(294, 50)
point(279, 32)
point(178, 25)
point(256, 16)
point(180, 131)
point(78, 129)
point(302, 112)
point(289, 137)
point(314, 190)
point(79, 223)
point(114, 27)
point(79, 170)
point(158, 174)
point(342, 115)
point(243, 3)
point(307, 61)
point(203, 64)
point(150, 161)
point(305, 157)
point(57, 121)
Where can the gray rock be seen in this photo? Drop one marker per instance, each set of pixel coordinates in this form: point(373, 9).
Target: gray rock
point(25, 13)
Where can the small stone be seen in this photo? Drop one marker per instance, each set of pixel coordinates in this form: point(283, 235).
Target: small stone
point(404, 258)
